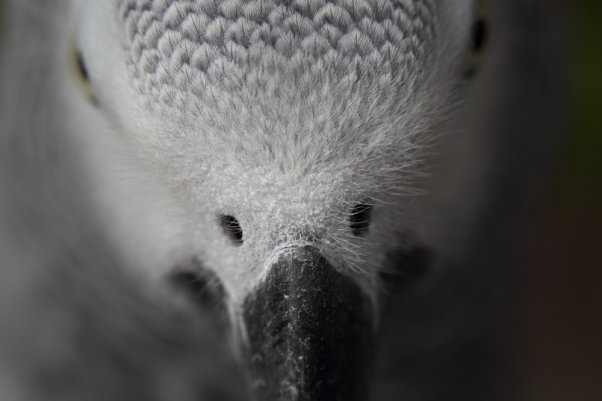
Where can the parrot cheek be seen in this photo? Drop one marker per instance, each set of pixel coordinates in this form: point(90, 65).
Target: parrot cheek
point(309, 331)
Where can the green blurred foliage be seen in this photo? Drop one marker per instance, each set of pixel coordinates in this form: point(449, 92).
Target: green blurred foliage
point(583, 165)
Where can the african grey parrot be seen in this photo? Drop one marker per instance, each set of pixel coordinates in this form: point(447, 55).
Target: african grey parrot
point(267, 199)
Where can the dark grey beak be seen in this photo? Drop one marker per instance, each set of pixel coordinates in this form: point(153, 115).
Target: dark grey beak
point(310, 332)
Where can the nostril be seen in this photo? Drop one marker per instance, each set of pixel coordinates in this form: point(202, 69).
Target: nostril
point(359, 220)
point(202, 286)
point(231, 228)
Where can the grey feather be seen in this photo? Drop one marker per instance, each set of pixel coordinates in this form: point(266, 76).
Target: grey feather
point(77, 323)
point(286, 114)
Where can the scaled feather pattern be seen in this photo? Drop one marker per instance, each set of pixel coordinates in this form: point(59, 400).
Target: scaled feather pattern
point(184, 45)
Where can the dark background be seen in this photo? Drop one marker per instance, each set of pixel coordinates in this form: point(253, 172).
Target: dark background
point(560, 351)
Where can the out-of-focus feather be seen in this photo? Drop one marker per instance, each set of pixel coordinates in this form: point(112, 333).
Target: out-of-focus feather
point(76, 322)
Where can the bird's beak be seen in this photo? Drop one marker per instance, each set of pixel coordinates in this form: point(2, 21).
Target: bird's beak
point(309, 330)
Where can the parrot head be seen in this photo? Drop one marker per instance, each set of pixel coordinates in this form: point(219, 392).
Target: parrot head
point(291, 135)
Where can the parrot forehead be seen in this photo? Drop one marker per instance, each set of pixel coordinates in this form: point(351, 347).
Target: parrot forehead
point(182, 52)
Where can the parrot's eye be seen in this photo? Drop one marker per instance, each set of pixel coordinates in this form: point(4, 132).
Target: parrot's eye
point(479, 36)
point(359, 220)
point(82, 75)
point(479, 39)
point(231, 228)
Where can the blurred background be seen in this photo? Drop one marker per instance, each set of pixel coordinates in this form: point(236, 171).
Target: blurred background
point(559, 350)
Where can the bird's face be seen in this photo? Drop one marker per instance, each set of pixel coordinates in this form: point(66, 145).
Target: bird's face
point(291, 133)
